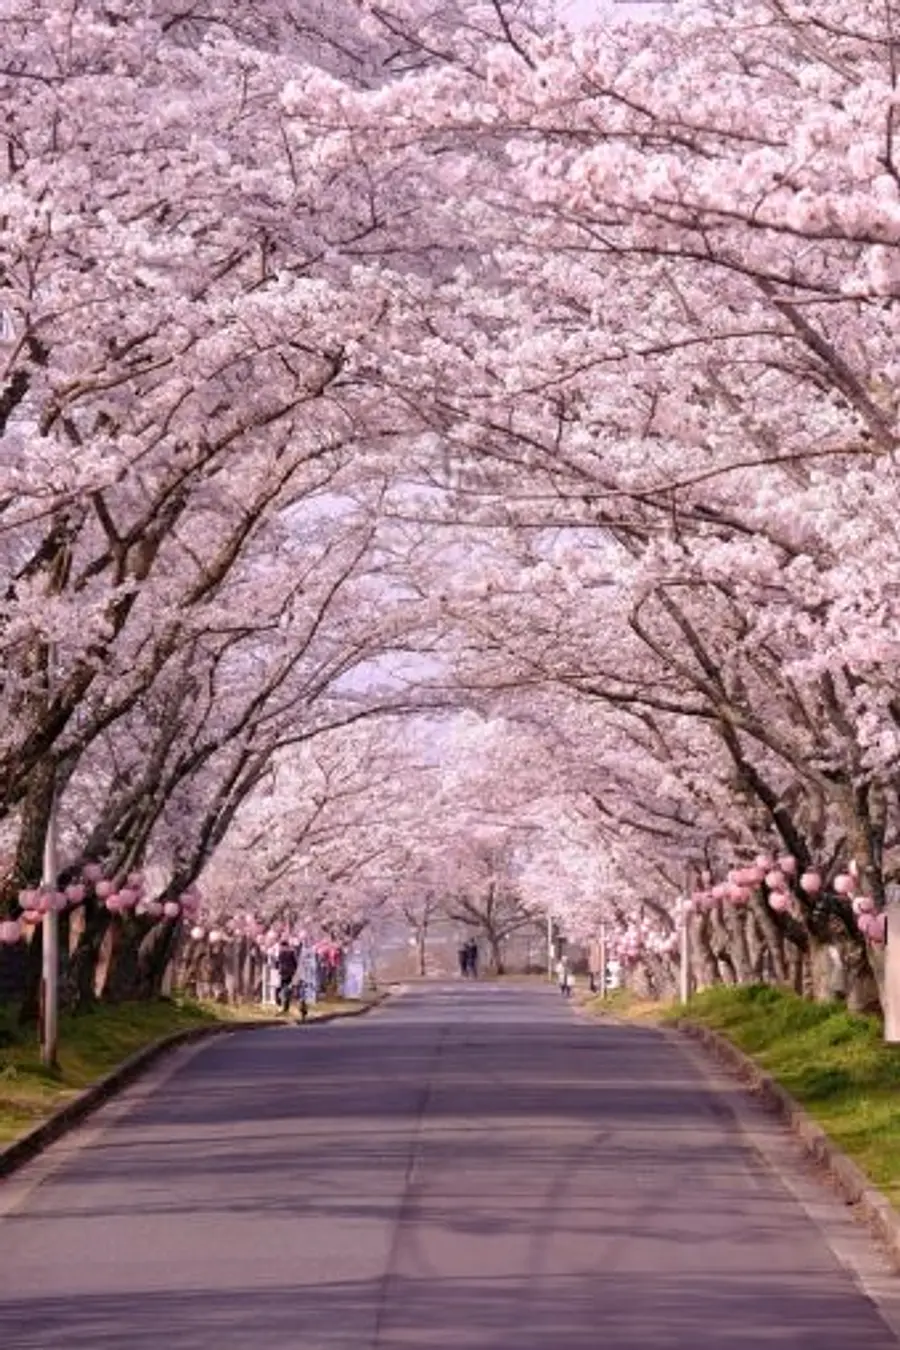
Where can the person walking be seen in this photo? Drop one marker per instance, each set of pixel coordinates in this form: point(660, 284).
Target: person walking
point(463, 958)
point(564, 977)
point(286, 965)
point(472, 946)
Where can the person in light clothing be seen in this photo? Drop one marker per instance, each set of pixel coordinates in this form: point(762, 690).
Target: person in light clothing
point(564, 977)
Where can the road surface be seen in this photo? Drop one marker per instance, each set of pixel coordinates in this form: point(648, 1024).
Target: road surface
point(470, 1166)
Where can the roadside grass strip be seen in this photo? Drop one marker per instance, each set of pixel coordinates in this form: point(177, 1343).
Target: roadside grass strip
point(95, 1042)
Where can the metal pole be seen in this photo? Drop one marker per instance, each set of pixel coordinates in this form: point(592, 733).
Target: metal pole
point(684, 973)
point(603, 988)
point(549, 946)
point(891, 998)
point(50, 952)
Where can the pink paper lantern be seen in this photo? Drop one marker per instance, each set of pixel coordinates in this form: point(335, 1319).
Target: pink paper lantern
point(779, 901)
point(863, 904)
point(198, 933)
point(844, 884)
point(811, 883)
point(776, 880)
point(128, 898)
point(878, 928)
point(113, 903)
point(28, 899)
point(171, 909)
point(788, 865)
point(104, 889)
point(764, 861)
point(30, 916)
point(153, 909)
point(10, 931)
point(75, 894)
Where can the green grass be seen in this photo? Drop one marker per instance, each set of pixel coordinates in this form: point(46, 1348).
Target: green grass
point(833, 1062)
point(93, 1043)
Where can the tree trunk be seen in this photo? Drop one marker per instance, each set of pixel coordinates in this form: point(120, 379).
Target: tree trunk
point(704, 971)
point(85, 958)
point(495, 944)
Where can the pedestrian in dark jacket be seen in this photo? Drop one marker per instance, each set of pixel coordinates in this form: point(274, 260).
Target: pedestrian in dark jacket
point(286, 964)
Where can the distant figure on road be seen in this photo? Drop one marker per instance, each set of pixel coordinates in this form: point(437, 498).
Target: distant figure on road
point(286, 964)
point(472, 947)
point(564, 977)
point(463, 957)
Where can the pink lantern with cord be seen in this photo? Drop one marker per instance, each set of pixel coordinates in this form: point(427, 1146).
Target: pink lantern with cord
point(788, 865)
point(171, 909)
point(75, 893)
point(779, 901)
point(153, 909)
point(844, 884)
point(113, 903)
point(776, 880)
point(128, 898)
point(764, 861)
point(28, 899)
point(811, 883)
point(863, 904)
point(104, 889)
point(878, 928)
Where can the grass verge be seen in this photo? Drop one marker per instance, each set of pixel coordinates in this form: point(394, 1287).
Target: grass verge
point(834, 1063)
point(622, 1003)
point(94, 1043)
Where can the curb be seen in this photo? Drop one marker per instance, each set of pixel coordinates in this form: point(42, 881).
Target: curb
point(850, 1181)
point(28, 1146)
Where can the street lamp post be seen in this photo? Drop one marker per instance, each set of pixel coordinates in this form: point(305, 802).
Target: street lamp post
point(50, 948)
point(603, 959)
point(684, 969)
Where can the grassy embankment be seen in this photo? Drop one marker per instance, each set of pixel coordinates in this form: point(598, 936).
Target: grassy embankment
point(93, 1044)
point(834, 1063)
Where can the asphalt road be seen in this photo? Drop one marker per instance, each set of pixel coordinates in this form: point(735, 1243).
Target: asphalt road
point(466, 1167)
